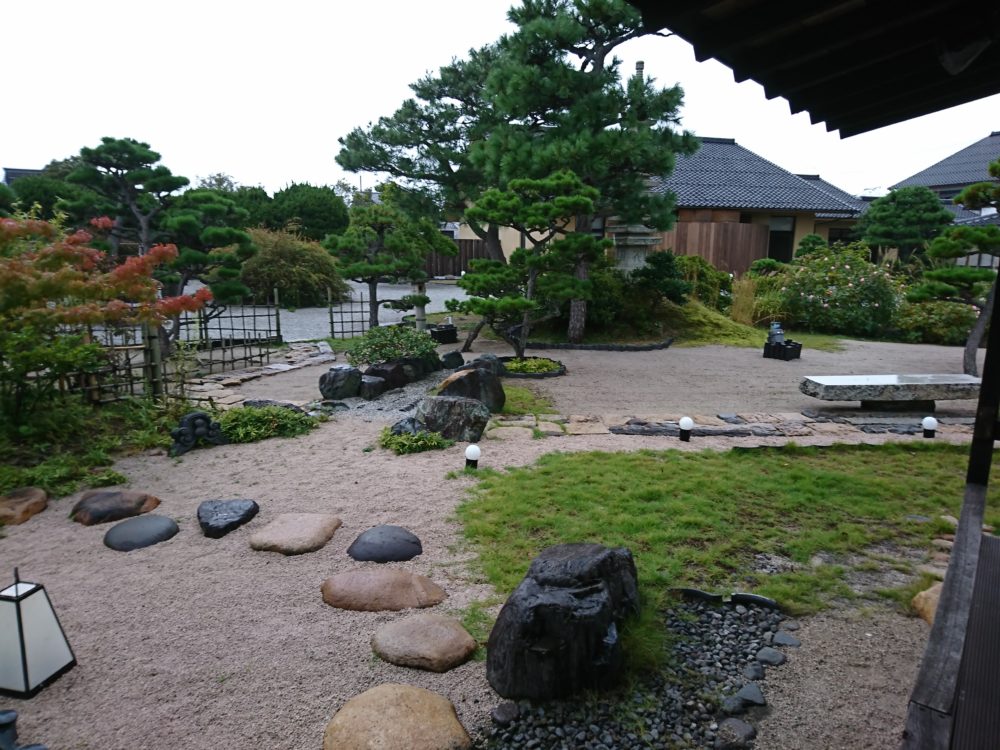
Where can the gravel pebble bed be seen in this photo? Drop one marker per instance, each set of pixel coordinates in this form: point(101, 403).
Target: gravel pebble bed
point(713, 656)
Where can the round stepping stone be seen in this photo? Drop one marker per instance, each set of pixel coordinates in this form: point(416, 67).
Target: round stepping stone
point(296, 533)
point(136, 533)
point(17, 506)
point(425, 640)
point(104, 506)
point(385, 543)
point(218, 517)
point(381, 589)
point(396, 716)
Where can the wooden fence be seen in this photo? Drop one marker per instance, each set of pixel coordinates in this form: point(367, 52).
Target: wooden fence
point(455, 265)
point(729, 246)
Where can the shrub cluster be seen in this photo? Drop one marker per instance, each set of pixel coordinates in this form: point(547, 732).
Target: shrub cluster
point(299, 269)
point(710, 286)
point(248, 425)
point(413, 443)
point(936, 322)
point(384, 343)
point(531, 365)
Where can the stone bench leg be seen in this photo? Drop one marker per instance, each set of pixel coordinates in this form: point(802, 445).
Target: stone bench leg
point(919, 406)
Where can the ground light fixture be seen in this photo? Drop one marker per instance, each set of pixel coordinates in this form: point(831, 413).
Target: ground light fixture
point(930, 425)
point(472, 454)
point(33, 646)
point(686, 424)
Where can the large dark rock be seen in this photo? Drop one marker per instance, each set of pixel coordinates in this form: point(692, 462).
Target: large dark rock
point(407, 426)
point(104, 506)
point(341, 381)
point(485, 362)
point(455, 418)
point(478, 383)
point(143, 531)
point(453, 360)
point(386, 543)
point(218, 517)
point(557, 634)
point(394, 374)
point(372, 387)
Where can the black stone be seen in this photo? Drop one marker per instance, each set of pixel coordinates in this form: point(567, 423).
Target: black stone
point(260, 403)
point(751, 694)
point(139, 532)
point(734, 734)
point(341, 381)
point(407, 426)
point(393, 373)
point(557, 634)
point(789, 625)
point(194, 428)
point(463, 419)
point(755, 599)
point(698, 594)
point(385, 543)
point(733, 706)
point(489, 362)
point(505, 713)
point(781, 638)
point(372, 387)
point(453, 360)
point(477, 383)
point(218, 517)
point(770, 656)
point(754, 671)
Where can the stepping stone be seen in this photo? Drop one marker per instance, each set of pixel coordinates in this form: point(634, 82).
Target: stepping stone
point(296, 533)
point(396, 717)
point(781, 638)
point(752, 695)
point(425, 641)
point(136, 533)
point(770, 656)
point(17, 506)
point(218, 517)
point(385, 543)
point(734, 734)
point(380, 589)
point(104, 506)
point(754, 671)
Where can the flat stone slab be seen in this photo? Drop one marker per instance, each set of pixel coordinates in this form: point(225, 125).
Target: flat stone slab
point(396, 717)
point(104, 506)
point(425, 640)
point(296, 533)
point(505, 432)
point(386, 543)
point(381, 589)
point(139, 532)
point(890, 387)
point(17, 506)
point(218, 517)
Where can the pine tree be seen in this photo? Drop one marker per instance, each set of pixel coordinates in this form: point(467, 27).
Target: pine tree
point(907, 219)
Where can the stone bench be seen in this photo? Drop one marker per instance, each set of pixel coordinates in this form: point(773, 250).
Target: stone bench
point(891, 392)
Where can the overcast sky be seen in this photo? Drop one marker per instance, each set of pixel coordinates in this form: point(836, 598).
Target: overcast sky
point(262, 90)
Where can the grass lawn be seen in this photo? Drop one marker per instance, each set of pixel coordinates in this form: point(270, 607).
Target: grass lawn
point(698, 519)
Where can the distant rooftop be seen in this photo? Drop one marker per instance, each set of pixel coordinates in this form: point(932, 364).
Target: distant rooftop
point(964, 167)
point(724, 174)
point(11, 173)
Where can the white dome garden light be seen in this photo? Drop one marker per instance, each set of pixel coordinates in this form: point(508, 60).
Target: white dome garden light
point(686, 424)
point(930, 426)
point(472, 454)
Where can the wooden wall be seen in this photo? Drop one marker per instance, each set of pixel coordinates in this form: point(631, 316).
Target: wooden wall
point(728, 246)
point(453, 265)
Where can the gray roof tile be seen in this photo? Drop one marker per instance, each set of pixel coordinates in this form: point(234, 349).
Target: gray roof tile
point(964, 167)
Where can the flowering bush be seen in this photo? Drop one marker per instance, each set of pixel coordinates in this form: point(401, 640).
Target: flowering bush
point(936, 322)
point(840, 291)
point(52, 286)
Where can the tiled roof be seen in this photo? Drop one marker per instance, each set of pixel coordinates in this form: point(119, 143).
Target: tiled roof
point(10, 174)
point(979, 220)
point(819, 183)
point(965, 167)
point(724, 174)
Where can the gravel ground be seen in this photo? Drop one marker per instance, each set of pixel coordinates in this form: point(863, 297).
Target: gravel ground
point(198, 643)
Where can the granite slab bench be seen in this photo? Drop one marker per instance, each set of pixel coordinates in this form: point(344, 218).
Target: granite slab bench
point(891, 392)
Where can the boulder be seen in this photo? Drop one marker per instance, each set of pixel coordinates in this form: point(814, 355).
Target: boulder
point(104, 506)
point(477, 383)
point(341, 381)
point(485, 362)
point(385, 543)
point(425, 640)
point(136, 533)
point(734, 734)
point(372, 387)
point(394, 374)
point(432, 362)
point(452, 360)
point(296, 533)
point(557, 634)
point(396, 717)
point(218, 517)
point(381, 589)
point(407, 426)
point(462, 419)
point(17, 506)
point(926, 602)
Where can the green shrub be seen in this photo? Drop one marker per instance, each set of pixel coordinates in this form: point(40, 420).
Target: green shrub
point(301, 270)
point(811, 244)
point(248, 425)
point(840, 292)
point(383, 343)
point(766, 267)
point(711, 287)
point(407, 443)
point(531, 365)
point(935, 322)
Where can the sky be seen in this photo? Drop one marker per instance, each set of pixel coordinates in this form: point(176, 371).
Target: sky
point(261, 91)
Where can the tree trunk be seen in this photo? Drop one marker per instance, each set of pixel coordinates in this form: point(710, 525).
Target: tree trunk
point(969, 364)
point(473, 335)
point(373, 303)
point(578, 307)
point(522, 335)
point(491, 238)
